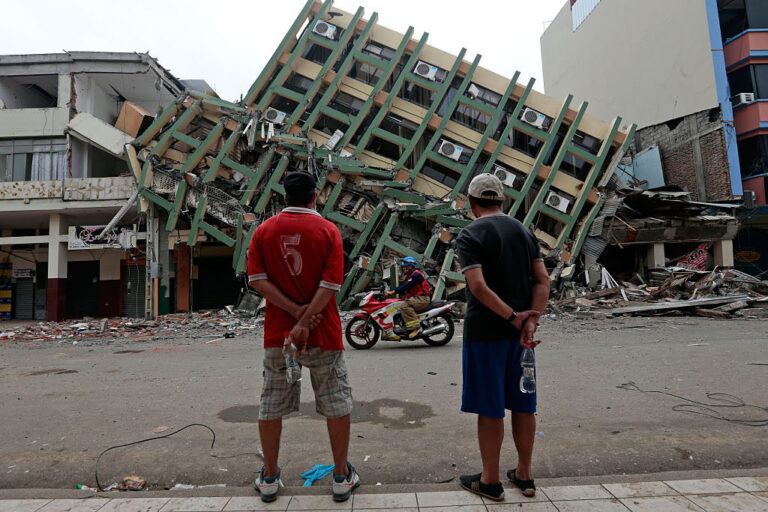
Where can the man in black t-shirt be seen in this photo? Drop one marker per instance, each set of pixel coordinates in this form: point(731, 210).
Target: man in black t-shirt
point(507, 288)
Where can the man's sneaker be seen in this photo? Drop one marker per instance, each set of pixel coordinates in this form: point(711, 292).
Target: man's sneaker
point(473, 484)
point(267, 486)
point(344, 485)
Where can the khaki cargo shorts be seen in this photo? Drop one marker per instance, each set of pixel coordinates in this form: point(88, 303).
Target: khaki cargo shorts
point(330, 381)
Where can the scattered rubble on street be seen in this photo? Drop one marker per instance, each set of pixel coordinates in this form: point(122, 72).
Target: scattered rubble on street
point(217, 326)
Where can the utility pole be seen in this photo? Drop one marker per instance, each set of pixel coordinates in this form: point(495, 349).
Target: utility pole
point(150, 265)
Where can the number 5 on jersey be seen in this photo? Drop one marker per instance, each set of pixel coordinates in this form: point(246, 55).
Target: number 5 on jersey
point(291, 255)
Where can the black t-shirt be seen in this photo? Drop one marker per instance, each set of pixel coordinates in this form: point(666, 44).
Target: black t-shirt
point(505, 250)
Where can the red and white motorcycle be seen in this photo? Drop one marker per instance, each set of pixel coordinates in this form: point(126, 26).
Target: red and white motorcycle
point(364, 329)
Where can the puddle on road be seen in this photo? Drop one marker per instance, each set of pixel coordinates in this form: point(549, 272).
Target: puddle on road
point(128, 352)
point(57, 371)
point(385, 411)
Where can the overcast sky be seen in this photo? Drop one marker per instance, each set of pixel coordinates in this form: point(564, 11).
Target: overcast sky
point(227, 42)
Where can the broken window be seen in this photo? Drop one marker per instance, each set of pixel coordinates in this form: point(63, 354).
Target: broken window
point(385, 148)
point(417, 94)
point(343, 53)
point(36, 91)
point(379, 50)
point(399, 126)
point(346, 103)
point(364, 125)
point(483, 95)
point(440, 173)
point(33, 160)
point(365, 73)
point(316, 53)
point(283, 104)
point(329, 125)
point(298, 83)
point(451, 93)
point(524, 143)
point(396, 72)
point(753, 156)
point(575, 166)
point(586, 142)
point(471, 118)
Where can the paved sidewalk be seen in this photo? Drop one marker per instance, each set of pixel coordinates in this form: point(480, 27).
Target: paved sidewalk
point(736, 494)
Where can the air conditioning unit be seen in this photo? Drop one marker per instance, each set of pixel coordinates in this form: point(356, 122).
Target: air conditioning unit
point(450, 150)
point(335, 138)
point(344, 153)
point(506, 177)
point(425, 70)
point(473, 91)
point(533, 118)
point(325, 29)
point(558, 202)
point(744, 98)
point(274, 116)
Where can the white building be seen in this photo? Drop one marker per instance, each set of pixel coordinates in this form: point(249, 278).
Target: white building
point(61, 166)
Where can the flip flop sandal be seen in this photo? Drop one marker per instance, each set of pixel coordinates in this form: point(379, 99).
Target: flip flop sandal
point(527, 487)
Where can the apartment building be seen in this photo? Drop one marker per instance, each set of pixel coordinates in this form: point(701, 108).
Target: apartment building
point(62, 176)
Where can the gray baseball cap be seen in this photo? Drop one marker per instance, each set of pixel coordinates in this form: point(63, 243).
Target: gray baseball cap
point(486, 186)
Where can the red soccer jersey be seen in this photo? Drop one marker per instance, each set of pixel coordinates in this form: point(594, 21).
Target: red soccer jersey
point(299, 251)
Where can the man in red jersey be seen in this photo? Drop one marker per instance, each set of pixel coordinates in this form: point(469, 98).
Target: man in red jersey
point(296, 261)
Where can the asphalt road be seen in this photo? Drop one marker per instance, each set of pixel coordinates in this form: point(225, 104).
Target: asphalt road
point(61, 405)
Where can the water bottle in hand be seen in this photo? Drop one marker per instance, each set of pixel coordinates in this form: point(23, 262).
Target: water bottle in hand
point(292, 367)
point(528, 365)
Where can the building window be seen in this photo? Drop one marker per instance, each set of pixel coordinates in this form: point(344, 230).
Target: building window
point(740, 15)
point(283, 104)
point(417, 94)
point(753, 156)
point(575, 166)
point(33, 160)
point(329, 125)
point(484, 95)
point(298, 83)
point(586, 142)
point(440, 173)
point(346, 103)
point(752, 79)
point(316, 53)
point(385, 148)
point(35, 91)
point(580, 9)
point(471, 118)
point(399, 126)
point(379, 50)
point(365, 73)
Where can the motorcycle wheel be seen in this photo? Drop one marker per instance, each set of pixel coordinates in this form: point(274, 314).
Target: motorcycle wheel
point(441, 338)
point(362, 333)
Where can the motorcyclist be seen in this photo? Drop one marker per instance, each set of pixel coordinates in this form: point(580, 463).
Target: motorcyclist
point(417, 292)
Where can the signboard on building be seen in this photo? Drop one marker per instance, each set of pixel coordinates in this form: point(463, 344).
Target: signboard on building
point(23, 272)
point(87, 237)
point(697, 259)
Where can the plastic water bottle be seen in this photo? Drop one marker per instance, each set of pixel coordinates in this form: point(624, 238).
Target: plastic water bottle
point(528, 365)
point(292, 367)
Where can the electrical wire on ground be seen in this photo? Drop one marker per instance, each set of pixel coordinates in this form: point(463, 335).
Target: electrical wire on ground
point(98, 484)
point(721, 400)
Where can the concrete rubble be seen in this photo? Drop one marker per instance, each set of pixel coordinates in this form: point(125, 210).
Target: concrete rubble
point(216, 326)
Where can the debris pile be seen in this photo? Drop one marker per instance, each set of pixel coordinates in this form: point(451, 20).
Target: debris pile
point(216, 325)
point(675, 291)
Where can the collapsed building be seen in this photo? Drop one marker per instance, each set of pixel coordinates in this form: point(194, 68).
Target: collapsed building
point(394, 130)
